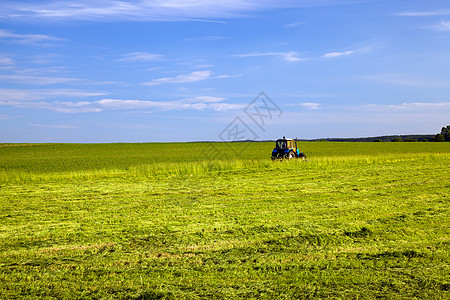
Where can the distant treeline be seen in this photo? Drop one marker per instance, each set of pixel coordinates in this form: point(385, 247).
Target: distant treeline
point(384, 138)
point(444, 136)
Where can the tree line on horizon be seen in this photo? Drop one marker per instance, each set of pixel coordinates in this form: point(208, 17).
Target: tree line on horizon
point(443, 136)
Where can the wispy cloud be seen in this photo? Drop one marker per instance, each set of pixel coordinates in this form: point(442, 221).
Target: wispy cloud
point(291, 56)
point(144, 10)
point(32, 39)
point(44, 59)
point(140, 57)
point(206, 66)
point(288, 56)
point(52, 75)
point(205, 38)
point(195, 103)
point(37, 80)
point(441, 26)
point(349, 52)
point(183, 78)
point(337, 54)
point(39, 94)
point(4, 117)
point(48, 126)
point(311, 105)
point(294, 24)
point(227, 76)
point(306, 105)
point(6, 60)
point(186, 78)
point(430, 13)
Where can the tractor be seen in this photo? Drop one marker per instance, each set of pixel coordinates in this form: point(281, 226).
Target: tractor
point(286, 148)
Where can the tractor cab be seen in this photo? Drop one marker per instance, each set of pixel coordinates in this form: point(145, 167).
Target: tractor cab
point(286, 148)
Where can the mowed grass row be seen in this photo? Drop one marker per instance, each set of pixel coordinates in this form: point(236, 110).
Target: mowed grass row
point(213, 167)
point(20, 162)
point(366, 224)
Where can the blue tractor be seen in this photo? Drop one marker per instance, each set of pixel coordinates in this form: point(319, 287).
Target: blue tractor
point(286, 148)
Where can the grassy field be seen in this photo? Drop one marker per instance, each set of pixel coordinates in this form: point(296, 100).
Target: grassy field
point(163, 221)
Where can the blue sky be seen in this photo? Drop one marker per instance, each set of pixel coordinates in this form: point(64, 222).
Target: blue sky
point(141, 71)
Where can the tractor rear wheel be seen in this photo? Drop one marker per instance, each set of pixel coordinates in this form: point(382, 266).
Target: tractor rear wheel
point(291, 154)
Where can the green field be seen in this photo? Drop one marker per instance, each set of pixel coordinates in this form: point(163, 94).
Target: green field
point(166, 221)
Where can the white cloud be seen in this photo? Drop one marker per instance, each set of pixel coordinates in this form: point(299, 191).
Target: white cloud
point(186, 78)
point(41, 71)
point(291, 56)
point(39, 94)
point(45, 58)
point(145, 10)
point(195, 103)
point(227, 76)
point(350, 52)
point(205, 66)
point(37, 80)
point(441, 26)
point(53, 126)
point(140, 57)
point(5, 60)
point(443, 12)
point(183, 78)
point(342, 120)
point(336, 54)
point(34, 39)
point(294, 24)
point(311, 105)
point(288, 56)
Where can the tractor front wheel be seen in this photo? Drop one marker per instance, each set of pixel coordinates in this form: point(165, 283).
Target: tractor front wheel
point(291, 154)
